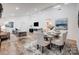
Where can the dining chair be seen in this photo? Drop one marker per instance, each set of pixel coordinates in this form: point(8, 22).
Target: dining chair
point(41, 42)
point(61, 41)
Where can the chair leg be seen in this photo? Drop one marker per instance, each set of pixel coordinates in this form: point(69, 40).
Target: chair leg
point(42, 49)
point(37, 46)
point(61, 47)
point(50, 46)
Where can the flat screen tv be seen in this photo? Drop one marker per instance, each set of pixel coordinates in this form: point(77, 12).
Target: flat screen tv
point(36, 24)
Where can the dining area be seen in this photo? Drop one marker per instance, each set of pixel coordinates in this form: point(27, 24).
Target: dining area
point(50, 38)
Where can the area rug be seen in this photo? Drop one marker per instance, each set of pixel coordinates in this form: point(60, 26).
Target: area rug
point(32, 50)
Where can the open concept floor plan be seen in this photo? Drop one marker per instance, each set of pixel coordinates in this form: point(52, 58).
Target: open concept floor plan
point(39, 29)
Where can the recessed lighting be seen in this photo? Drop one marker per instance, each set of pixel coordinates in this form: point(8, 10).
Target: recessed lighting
point(17, 8)
point(57, 6)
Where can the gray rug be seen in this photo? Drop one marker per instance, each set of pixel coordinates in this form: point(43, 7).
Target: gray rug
point(32, 50)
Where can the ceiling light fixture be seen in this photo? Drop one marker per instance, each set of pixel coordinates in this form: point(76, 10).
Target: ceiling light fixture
point(17, 8)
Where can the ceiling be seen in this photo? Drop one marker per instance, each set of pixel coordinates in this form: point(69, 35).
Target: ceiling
point(22, 9)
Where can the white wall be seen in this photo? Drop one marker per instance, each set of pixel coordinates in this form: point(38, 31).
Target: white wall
point(21, 23)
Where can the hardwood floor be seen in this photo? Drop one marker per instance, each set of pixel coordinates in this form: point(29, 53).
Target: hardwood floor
point(72, 43)
point(16, 45)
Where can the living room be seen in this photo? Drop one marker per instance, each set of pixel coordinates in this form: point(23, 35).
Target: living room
point(22, 23)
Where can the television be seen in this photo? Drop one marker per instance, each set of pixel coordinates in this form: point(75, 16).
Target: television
point(36, 24)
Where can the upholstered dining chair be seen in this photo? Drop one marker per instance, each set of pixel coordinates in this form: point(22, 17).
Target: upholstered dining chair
point(41, 42)
point(60, 42)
